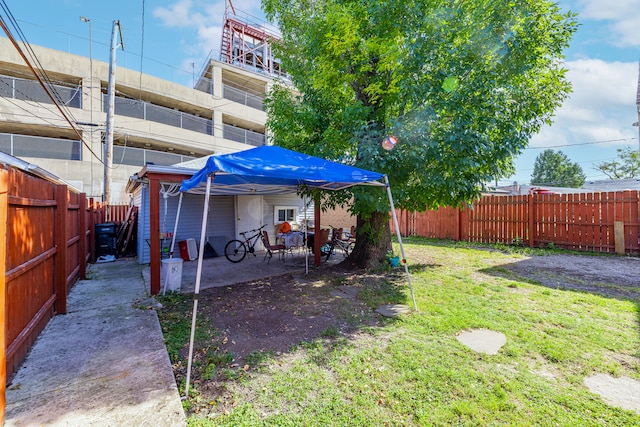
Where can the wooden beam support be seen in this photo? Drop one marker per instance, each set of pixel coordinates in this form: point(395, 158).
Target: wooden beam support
point(154, 233)
point(316, 226)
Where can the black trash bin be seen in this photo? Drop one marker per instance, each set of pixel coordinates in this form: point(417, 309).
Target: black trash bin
point(106, 236)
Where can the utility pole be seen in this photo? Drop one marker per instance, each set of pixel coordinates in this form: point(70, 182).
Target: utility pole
point(638, 106)
point(90, 88)
point(111, 95)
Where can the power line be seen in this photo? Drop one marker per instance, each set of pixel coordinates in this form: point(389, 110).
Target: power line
point(172, 68)
point(142, 46)
point(41, 77)
point(582, 143)
point(57, 101)
point(124, 130)
point(141, 55)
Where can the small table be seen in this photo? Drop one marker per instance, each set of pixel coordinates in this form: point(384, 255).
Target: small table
point(293, 239)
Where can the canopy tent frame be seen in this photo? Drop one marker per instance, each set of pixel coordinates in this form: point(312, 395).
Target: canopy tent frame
point(288, 172)
point(203, 231)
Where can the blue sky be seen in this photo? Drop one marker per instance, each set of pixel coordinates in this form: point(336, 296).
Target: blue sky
point(180, 34)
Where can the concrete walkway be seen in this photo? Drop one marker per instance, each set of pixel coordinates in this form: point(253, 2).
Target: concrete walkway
point(104, 363)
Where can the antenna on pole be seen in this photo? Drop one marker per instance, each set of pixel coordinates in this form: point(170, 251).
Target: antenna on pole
point(111, 93)
point(233, 9)
point(638, 106)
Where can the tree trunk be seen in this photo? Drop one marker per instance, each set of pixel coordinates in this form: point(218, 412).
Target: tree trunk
point(373, 241)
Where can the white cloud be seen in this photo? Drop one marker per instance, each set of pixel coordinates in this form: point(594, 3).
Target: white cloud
point(601, 107)
point(607, 9)
point(209, 38)
point(623, 18)
point(176, 15)
point(205, 18)
point(598, 84)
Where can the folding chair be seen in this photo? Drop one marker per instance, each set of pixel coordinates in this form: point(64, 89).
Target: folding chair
point(280, 249)
point(352, 234)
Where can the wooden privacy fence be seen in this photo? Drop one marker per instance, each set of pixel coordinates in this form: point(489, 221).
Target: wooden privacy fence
point(117, 213)
point(48, 238)
point(594, 222)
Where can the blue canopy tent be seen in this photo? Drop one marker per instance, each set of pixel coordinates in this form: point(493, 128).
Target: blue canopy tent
point(272, 170)
point(276, 170)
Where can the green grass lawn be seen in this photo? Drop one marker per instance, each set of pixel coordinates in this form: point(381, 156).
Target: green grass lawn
point(412, 371)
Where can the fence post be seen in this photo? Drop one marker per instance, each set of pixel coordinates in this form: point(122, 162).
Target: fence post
point(82, 231)
point(92, 230)
point(637, 222)
point(619, 222)
point(60, 239)
point(457, 230)
point(532, 222)
point(405, 217)
point(4, 200)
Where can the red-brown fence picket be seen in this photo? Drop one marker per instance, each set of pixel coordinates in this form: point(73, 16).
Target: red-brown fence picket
point(594, 222)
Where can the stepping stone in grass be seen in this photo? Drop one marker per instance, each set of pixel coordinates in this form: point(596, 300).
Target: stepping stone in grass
point(482, 340)
point(623, 392)
point(392, 310)
point(350, 292)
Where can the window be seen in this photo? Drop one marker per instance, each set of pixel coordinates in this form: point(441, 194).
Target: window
point(285, 213)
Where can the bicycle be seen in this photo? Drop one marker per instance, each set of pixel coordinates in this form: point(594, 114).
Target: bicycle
point(336, 242)
point(235, 250)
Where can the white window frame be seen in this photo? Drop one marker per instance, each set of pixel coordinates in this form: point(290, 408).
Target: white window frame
point(276, 214)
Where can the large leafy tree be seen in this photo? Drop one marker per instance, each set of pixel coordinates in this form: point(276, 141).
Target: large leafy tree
point(462, 84)
point(556, 169)
point(626, 166)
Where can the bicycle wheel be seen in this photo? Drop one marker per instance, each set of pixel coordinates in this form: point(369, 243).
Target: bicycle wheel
point(347, 247)
point(235, 251)
point(329, 250)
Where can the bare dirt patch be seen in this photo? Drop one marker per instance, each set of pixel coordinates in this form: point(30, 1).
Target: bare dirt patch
point(614, 276)
point(262, 319)
point(274, 314)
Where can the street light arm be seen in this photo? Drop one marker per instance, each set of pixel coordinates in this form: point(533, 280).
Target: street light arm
point(121, 39)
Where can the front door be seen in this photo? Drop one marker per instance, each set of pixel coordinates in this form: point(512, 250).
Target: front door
point(248, 214)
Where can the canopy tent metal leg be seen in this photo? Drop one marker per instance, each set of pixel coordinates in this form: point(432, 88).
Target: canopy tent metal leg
point(197, 286)
point(306, 236)
point(395, 222)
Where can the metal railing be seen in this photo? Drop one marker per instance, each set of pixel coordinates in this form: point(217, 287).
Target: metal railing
point(69, 149)
point(30, 90)
point(243, 135)
point(240, 96)
point(232, 94)
point(40, 147)
point(139, 157)
point(156, 113)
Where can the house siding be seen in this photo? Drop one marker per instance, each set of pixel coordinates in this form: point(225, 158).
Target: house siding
point(270, 202)
point(220, 224)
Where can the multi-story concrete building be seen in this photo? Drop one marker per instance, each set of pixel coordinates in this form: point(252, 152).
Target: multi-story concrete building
point(155, 121)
